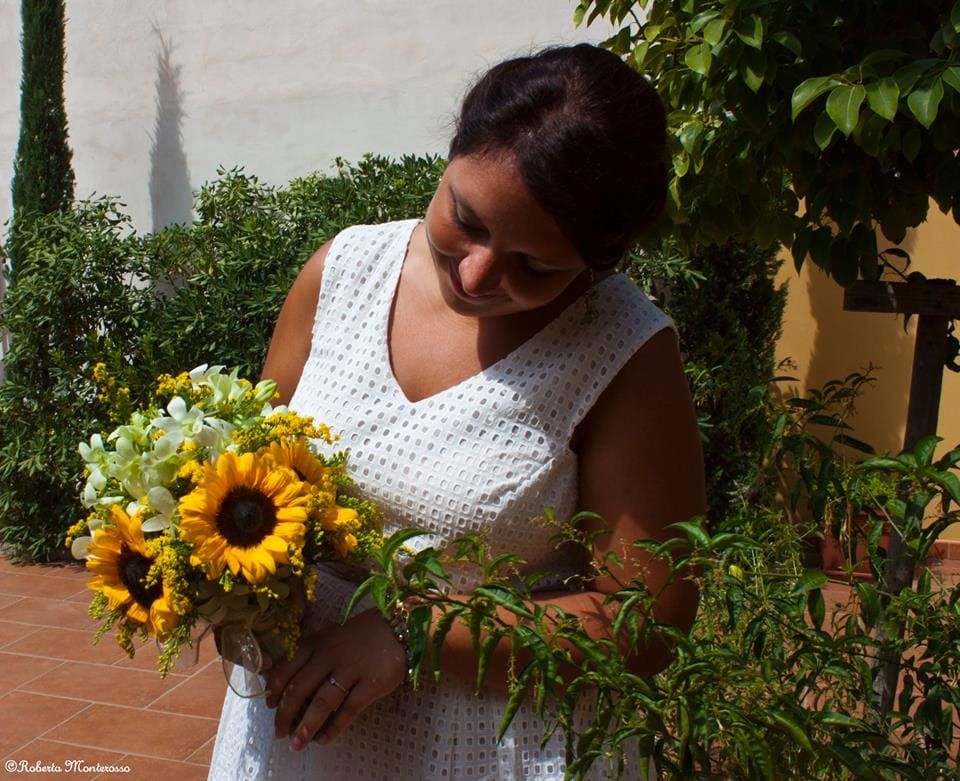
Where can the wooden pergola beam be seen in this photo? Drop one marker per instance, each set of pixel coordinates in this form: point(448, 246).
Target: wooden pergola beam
point(935, 302)
point(936, 297)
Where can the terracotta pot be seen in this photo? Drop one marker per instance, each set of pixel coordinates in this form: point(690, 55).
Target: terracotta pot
point(837, 558)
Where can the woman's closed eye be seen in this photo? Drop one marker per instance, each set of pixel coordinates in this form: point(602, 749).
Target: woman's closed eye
point(467, 227)
point(534, 267)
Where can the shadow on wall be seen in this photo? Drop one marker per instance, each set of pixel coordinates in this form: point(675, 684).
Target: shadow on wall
point(171, 196)
point(847, 342)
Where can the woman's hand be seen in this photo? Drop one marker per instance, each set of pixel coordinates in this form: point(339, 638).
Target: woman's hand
point(336, 673)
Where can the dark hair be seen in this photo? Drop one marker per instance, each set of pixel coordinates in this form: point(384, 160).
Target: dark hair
point(587, 133)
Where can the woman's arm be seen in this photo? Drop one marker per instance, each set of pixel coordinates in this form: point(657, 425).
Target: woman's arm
point(290, 343)
point(641, 469)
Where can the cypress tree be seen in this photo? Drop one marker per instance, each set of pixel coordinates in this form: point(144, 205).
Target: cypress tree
point(42, 176)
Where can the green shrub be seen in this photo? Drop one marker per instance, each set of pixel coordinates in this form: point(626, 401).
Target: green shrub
point(728, 312)
point(772, 682)
point(93, 291)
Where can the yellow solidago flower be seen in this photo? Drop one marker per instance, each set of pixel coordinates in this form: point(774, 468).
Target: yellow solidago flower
point(242, 515)
point(345, 545)
point(192, 471)
point(118, 556)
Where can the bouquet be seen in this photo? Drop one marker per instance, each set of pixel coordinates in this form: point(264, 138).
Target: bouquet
point(206, 510)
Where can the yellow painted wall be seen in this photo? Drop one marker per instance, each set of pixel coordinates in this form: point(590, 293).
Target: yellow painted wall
point(826, 342)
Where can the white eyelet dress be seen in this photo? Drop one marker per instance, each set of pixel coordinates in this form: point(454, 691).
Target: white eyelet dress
point(487, 454)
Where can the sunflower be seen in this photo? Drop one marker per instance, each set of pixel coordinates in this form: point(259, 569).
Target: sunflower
point(117, 554)
point(244, 513)
point(300, 458)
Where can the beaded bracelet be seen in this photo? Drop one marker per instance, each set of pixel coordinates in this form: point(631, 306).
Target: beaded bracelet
point(399, 620)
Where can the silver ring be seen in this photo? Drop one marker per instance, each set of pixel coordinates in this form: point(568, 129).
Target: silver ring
point(334, 682)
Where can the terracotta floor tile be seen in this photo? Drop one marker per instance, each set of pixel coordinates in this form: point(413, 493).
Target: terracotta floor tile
point(7, 599)
point(136, 731)
point(102, 683)
point(8, 566)
point(71, 569)
point(145, 658)
point(152, 768)
point(17, 670)
point(25, 716)
point(49, 612)
point(74, 644)
point(204, 754)
point(29, 584)
point(11, 632)
point(73, 762)
point(199, 695)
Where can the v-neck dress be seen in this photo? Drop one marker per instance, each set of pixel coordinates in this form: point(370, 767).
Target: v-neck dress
point(487, 455)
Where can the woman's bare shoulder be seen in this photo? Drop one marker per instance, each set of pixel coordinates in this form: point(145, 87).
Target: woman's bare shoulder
point(644, 424)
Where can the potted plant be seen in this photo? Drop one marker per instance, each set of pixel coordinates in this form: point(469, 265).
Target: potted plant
point(856, 531)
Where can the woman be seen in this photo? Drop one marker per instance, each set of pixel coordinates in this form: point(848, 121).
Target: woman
point(482, 365)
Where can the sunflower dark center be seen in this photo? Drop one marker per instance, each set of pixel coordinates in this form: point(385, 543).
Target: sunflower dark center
point(246, 516)
point(132, 568)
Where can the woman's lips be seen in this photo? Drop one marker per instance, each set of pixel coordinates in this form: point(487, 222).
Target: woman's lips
point(460, 292)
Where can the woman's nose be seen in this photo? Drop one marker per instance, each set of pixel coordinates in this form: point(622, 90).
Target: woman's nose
point(479, 271)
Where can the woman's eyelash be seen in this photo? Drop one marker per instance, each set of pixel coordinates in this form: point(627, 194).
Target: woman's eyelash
point(464, 226)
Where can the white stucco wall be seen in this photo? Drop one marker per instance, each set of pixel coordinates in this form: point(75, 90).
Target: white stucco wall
point(159, 94)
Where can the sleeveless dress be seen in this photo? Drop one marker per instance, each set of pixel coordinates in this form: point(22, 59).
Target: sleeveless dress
point(487, 454)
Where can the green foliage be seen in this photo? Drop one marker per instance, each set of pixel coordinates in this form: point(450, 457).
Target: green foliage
point(42, 176)
point(772, 682)
point(728, 312)
point(848, 112)
point(93, 291)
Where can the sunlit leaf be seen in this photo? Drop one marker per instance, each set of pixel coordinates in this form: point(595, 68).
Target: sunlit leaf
point(951, 76)
point(810, 580)
point(869, 603)
point(789, 41)
point(823, 133)
point(883, 97)
point(809, 90)
point(698, 59)
point(924, 103)
point(843, 106)
point(793, 729)
point(753, 67)
point(750, 31)
point(713, 32)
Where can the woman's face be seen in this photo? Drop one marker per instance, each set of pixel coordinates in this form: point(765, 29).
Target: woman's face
point(495, 250)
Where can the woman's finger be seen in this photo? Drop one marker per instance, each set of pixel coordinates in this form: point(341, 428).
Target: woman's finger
point(360, 697)
point(281, 671)
point(331, 698)
point(300, 691)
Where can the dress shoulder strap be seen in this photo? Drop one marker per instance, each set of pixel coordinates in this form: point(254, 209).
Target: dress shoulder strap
point(360, 274)
point(560, 373)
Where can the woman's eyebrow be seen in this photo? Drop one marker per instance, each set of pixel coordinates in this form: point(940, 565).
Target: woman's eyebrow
point(461, 204)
